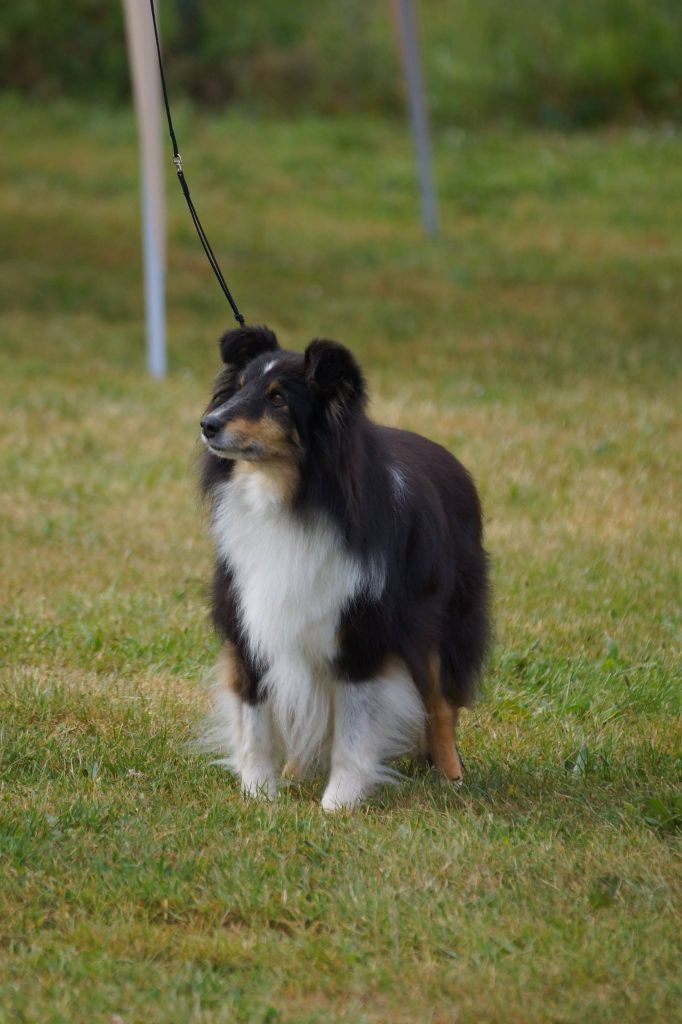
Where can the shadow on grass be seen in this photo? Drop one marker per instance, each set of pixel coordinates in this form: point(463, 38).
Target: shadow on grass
point(518, 797)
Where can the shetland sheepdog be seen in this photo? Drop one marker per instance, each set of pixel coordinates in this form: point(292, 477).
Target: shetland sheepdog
point(351, 585)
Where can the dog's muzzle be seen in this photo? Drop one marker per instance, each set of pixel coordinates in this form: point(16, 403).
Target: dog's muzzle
point(220, 440)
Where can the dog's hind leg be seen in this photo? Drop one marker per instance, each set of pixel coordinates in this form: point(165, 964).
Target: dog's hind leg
point(441, 725)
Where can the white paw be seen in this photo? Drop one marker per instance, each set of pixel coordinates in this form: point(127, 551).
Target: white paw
point(344, 791)
point(260, 781)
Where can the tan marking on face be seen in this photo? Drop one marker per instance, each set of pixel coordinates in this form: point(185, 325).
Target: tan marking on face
point(441, 725)
point(277, 468)
point(266, 432)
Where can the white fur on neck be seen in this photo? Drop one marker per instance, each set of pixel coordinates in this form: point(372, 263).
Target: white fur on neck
point(292, 578)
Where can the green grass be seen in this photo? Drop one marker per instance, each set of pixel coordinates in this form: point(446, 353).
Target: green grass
point(552, 63)
point(538, 338)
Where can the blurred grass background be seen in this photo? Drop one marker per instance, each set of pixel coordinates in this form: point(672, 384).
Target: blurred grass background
point(542, 62)
point(537, 337)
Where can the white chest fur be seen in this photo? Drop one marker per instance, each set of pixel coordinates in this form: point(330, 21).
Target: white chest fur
point(292, 580)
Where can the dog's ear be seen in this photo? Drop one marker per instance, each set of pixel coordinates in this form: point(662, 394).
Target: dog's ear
point(240, 346)
point(332, 370)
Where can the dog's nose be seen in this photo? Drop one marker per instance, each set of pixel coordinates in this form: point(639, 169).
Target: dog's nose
point(210, 426)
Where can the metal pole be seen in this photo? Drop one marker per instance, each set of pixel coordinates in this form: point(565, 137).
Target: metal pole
point(143, 67)
point(417, 106)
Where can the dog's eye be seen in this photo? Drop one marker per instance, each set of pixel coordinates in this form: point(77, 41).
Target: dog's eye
point(277, 398)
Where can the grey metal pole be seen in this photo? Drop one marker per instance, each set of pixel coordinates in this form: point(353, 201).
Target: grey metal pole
point(143, 67)
point(414, 84)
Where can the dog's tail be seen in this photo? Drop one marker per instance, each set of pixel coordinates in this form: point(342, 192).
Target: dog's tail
point(468, 634)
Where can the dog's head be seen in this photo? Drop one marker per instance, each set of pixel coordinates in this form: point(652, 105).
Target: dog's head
point(270, 404)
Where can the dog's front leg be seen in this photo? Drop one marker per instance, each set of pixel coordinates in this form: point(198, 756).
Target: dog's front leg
point(356, 752)
point(373, 721)
point(257, 761)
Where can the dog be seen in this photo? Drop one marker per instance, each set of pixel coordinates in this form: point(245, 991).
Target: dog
point(350, 589)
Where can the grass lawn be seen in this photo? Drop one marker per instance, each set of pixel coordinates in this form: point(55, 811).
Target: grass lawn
point(539, 339)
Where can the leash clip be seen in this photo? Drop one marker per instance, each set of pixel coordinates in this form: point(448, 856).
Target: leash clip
point(177, 160)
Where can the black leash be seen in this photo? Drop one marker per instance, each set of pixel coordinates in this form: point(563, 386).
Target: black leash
point(177, 160)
